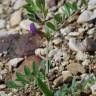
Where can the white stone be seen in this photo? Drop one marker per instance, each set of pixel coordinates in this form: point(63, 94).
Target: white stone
point(25, 24)
point(65, 31)
point(91, 31)
point(40, 51)
point(2, 93)
point(52, 52)
point(93, 88)
point(81, 56)
point(60, 54)
point(84, 17)
point(18, 4)
point(2, 23)
point(15, 61)
point(74, 34)
point(86, 62)
point(15, 18)
point(81, 29)
point(2, 72)
point(93, 16)
point(57, 41)
point(74, 45)
point(92, 4)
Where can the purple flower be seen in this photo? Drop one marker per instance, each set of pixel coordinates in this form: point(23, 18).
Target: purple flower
point(33, 29)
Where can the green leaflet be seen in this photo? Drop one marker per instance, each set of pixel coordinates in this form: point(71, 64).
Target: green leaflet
point(41, 4)
point(12, 84)
point(58, 18)
point(51, 26)
point(35, 70)
point(44, 88)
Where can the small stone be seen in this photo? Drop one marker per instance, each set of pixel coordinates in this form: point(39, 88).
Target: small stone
point(93, 16)
point(81, 29)
point(57, 41)
point(60, 54)
point(15, 18)
point(84, 17)
point(58, 81)
point(93, 89)
point(74, 44)
point(40, 51)
point(65, 31)
point(18, 4)
point(91, 4)
point(25, 24)
point(81, 56)
point(3, 71)
point(2, 93)
point(74, 34)
point(15, 61)
point(3, 86)
point(66, 75)
point(86, 62)
point(52, 53)
point(1, 9)
point(75, 68)
point(2, 23)
point(91, 31)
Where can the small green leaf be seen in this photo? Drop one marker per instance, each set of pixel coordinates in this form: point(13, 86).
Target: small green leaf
point(12, 84)
point(44, 88)
point(41, 4)
point(32, 17)
point(27, 70)
point(20, 77)
point(35, 70)
point(28, 73)
point(58, 18)
point(67, 9)
point(51, 26)
point(75, 7)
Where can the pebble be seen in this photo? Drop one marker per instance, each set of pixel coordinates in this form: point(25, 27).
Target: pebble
point(18, 4)
point(58, 81)
point(93, 89)
point(25, 24)
point(91, 31)
point(60, 54)
point(4, 71)
point(84, 17)
point(74, 44)
point(2, 23)
point(15, 18)
point(2, 86)
point(75, 68)
point(2, 93)
point(93, 16)
point(91, 4)
point(86, 62)
point(81, 56)
point(57, 41)
point(74, 34)
point(15, 61)
point(40, 51)
point(66, 75)
point(52, 53)
point(65, 31)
